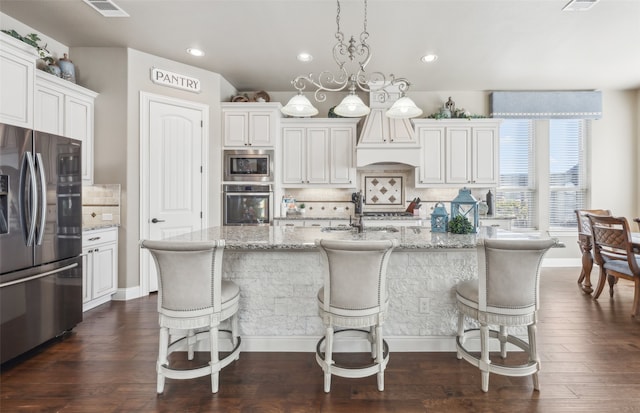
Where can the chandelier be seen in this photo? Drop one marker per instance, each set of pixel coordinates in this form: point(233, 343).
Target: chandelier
point(351, 106)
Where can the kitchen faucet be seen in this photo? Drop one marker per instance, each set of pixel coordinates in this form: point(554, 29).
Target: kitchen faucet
point(359, 225)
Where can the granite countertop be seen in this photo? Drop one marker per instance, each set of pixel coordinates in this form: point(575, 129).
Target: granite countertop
point(103, 226)
point(301, 238)
point(295, 217)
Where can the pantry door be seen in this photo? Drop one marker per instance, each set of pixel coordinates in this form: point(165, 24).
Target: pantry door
point(173, 182)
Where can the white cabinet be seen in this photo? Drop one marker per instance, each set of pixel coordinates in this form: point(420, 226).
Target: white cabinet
point(250, 124)
point(458, 152)
point(17, 68)
point(381, 130)
point(64, 108)
point(318, 152)
point(99, 266)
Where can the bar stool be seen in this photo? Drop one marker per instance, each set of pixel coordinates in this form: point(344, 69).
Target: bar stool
point(193, 300)
point(354, 297)
point(506, 294)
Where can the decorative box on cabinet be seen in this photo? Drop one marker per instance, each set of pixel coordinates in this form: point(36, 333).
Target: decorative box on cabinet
point(458, 152)
point(64, 108)
point(99, 266)
point(250, 124)
point(17, 68)
point(318, 152)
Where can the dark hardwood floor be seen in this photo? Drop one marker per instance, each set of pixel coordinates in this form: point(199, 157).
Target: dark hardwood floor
point(590, 354)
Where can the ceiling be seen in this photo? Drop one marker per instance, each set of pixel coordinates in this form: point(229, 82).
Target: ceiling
point(481, 44)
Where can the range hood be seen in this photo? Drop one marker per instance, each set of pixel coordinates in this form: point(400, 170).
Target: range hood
point(386, 140)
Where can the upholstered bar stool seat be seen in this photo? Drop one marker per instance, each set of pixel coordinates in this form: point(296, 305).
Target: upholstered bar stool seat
point(506, 294)
point(355, 299)
point(193, 300)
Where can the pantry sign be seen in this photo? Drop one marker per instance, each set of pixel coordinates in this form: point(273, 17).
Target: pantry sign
point(171, 79)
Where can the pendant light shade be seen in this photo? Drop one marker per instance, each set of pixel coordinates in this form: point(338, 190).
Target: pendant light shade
point(404, 108)
point(299, 106)
point(352, 107)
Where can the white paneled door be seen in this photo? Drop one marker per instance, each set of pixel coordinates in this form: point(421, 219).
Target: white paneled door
point(174, 185)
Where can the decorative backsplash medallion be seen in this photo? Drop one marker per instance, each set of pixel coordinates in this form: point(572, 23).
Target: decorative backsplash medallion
point(383, 190)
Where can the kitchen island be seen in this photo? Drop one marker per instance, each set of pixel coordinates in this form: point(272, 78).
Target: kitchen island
point(279, 271)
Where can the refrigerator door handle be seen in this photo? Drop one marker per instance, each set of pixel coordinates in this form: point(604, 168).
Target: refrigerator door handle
point(43, 198)
point(28, 223)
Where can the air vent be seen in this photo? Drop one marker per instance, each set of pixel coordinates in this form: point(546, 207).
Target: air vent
point(580, 5)
point(107, 8)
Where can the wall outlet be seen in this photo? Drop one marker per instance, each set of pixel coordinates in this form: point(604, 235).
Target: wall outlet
point(107, 217)
point(424, 305)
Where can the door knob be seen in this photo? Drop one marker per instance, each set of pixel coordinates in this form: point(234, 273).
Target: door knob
point(156, 220)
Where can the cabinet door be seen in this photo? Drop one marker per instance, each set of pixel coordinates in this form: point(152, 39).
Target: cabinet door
point(236, 131)
point(485, 159)
point(317, 149)
point(78, 124)
point(342, 163)
point(432, 160)
point(105, 262)
point(458, 155)
point(293, 156)
point(48, 111)
point(262, 129)
point(16, 86)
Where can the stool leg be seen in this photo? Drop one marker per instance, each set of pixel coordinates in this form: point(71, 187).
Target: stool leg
point(328, 358)
point(380, 357)
point(191, 342)
point(460, 333)
point(372, 341)
point(484, 356)
point(163, 349)
point(533, 353)
point(234, 332)
point(215, 361)
point(503, 342)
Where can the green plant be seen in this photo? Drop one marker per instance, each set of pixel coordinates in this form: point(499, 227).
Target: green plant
point(460, 225)
point(302, 206)
point(32, 39)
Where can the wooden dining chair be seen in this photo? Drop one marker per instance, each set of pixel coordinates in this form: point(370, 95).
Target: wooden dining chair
point(637, 220)
point(586, 245)
point(614, 252)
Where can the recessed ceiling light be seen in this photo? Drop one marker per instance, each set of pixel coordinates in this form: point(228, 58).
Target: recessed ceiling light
point(305, 57)
point(195, 52)
point(430, 58)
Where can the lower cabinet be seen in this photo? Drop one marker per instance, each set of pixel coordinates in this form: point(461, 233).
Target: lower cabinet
point(99, 266)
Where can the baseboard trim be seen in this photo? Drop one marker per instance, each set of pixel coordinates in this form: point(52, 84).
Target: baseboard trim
point(308, 344)
point(562, 262)
point(124, 294)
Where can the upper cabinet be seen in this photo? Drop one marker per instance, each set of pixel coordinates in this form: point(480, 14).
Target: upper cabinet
point(458, 152)
point(380, 130)
point(66, 109)
point(17, 72)
point(318, 152)
point(250, 124)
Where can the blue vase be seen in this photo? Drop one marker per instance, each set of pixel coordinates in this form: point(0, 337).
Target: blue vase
point(67, 68)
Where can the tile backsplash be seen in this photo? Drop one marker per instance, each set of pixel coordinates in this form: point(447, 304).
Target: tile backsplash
point(395, 182)
point(100, 205)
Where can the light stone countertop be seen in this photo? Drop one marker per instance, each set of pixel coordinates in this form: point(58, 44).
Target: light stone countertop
point(263, 237)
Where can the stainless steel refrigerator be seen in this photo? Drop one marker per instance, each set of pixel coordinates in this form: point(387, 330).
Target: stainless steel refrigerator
point(40, 238)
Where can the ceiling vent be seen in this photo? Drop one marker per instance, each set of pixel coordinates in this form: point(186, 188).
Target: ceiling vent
point(580, 5)
point(107, 8)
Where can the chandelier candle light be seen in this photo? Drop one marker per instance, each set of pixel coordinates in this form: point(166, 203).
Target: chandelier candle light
point(351, 106)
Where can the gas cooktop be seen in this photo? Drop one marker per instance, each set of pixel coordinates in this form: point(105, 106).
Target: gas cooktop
point(387, 214)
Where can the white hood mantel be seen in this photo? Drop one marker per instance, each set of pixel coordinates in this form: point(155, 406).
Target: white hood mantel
point(386, 140)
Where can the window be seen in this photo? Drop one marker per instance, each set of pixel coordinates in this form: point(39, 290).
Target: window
point(516, 195)
point(567, 172)
point(518, 192)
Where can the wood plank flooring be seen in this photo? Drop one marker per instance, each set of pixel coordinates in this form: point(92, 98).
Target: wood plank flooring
point(590, 352)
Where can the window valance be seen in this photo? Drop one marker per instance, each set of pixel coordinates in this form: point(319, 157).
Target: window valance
point(546, 105)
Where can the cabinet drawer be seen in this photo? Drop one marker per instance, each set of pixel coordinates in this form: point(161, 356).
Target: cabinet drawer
point(96, 237)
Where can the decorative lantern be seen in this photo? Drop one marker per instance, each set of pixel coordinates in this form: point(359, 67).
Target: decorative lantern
point(439, 218)
point(466, 205)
